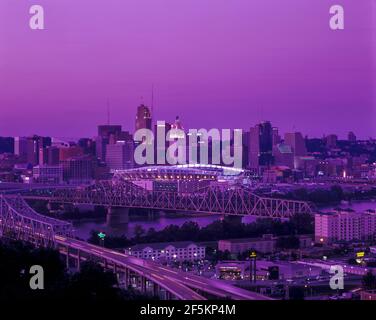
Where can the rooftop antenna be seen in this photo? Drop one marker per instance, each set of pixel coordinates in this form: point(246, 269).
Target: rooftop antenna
point(259, 109)
point(108, 112)
point(152, 101)
point(142, 100)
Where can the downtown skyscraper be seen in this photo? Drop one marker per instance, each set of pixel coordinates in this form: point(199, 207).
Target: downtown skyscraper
point(143, 118)
point(261, 146)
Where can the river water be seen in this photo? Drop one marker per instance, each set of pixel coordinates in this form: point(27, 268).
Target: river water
point(83, 228)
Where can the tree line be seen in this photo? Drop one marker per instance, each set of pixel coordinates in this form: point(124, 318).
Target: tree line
point(90, 284)
point(217, 230)
point(332, 196)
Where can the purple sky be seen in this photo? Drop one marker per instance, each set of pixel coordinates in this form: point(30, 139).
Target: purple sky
point(216, 63)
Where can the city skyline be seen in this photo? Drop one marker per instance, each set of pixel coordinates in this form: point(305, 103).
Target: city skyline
point(216, 66)
point(194, 150)
point(128, 129)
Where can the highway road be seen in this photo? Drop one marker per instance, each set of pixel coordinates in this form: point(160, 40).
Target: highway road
point(325, 265)
point(133, 264)
point(177, 282)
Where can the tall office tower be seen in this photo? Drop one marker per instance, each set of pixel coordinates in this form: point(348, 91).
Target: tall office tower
point(261, 146)
point(106, 134)
point(87, 145)
point(43, 156)
point(160, 149)
point(298, 146)
point(125, 136)
point(351, 137)
point(143, 118)
point(297, 143)
point(254, 148)
point(119, 156)
point(245, 141)
point(276, 137)
point(70, 152)
point(45, 142)
point(34, 146)
point(283, 155)
point(177, 124)
point(108, 130)
point(6, 145)
point(53, 156)
point(176, 132)
point(109, 133)
point(20, 148)
point(331, 141)
point(32, 151)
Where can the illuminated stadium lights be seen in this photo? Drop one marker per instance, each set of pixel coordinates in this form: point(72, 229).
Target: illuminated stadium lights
point(187, 173)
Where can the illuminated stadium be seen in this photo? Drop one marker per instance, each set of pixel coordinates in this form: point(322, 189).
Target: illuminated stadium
point(181, 172)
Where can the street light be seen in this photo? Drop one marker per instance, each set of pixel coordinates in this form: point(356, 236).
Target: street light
point(252, 266)
point(102, 236)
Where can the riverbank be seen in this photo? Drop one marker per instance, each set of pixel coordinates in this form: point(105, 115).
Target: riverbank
point(84, 227)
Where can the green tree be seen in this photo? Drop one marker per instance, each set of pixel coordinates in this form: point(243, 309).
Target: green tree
point(92, 283)
point(138, 231)
point(336, 193)
point(303, 223)
point(290, 242)
point(189, 231)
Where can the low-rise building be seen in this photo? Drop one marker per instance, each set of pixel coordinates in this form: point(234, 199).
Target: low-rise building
point(48, 174)
point(283, 155)
point(266, 244)
point(232, 270)
point(368, 295)
point(305, 241)
point(168, 251)
point(266, 270)
point(345, 225)
point(286, 270)
point(78, 170)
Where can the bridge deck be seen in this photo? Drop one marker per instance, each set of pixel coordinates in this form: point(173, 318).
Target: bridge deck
point(213, 200)
point(24, 209)
point(178, 281)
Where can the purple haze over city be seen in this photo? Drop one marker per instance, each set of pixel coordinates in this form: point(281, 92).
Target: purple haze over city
point(216, 63)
